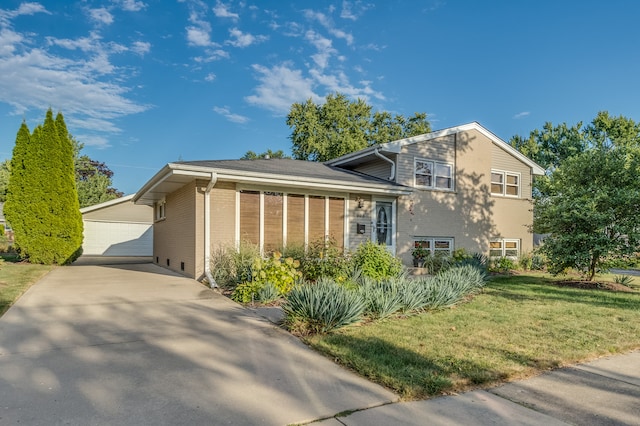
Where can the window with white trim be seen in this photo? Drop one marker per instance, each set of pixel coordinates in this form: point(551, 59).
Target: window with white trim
point(504, 248)
point(505, 183)
point(160, 210)
point(434, 245)
point(433, 174)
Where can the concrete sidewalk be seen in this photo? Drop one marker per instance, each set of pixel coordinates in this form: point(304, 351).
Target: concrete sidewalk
point(602, 392)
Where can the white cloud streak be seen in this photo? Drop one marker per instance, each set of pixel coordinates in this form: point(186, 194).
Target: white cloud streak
point(521, 115)
point(234, 118)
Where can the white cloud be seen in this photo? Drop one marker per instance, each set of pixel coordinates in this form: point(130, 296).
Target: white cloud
point(92, 140)
point(88, 89)
point(86, 44)
point(324, 46)
point(280, 86)
point(141, 47)
point(353, 10)
point(132, 5)
point(327, 23)
point(27, 8)
point(212, 55)
point(199, 36)
point(221, 10)
point(339, 82)
point(234, 118)
point(101, 15)
point(241, 39)
point(8, 41)
point(521, 115)
point(210, 77)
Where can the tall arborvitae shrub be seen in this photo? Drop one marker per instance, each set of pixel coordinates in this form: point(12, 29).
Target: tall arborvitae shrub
point(42, 196)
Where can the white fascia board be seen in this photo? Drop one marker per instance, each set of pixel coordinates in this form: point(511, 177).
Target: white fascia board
point(107, 204)
point(286, 181)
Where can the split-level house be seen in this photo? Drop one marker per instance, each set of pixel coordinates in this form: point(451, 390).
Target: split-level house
point(460, 187)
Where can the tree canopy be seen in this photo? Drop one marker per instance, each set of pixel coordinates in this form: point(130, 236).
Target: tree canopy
point(589, 200)
point(42, 202)
point(591, 210)
point(321, 132)
point(250, 155)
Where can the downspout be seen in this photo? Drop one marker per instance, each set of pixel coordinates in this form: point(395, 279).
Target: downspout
point(207, 230)
point(388, 160)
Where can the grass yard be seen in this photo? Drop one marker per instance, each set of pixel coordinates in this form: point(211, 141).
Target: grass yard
point(15, 279)
point(519, 326)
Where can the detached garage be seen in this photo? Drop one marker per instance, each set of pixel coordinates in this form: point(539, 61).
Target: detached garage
point(118, 228)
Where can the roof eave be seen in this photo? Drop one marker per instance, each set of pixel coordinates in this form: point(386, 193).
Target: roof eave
point(187, 173)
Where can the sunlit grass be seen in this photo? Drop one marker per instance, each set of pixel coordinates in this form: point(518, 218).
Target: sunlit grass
point(15, 279)
point(520, 326)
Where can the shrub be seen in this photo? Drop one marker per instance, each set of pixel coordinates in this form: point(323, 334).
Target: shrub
point(502, 265)
point(325, 259)
point(452, 285)
point(322, 307)
point(538, 262)
point(231, 266)
point(436, 263)
point(246, 292)
point(268, 293)
point(525, 261)
point(382, 298)
point(375, 261)
point(477, 260)
point(282, 273)
point(623, 279)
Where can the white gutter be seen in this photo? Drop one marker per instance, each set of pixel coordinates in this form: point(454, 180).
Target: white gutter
point(393, 164)
point(207, 230)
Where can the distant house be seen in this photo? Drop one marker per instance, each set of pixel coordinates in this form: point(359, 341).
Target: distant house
point(117, 228)
point(460, 187)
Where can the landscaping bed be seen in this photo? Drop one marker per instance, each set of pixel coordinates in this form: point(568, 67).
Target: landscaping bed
point(521, 325)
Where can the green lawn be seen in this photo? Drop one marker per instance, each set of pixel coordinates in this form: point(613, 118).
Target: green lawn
point(519, 326)
point(15, 279)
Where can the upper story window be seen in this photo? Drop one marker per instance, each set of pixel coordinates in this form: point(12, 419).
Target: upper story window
point(505, 183)
point(433, 174)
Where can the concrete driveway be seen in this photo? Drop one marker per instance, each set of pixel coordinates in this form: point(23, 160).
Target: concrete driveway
point(135, 344)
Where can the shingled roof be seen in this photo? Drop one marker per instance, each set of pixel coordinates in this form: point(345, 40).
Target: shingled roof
point(278, 172)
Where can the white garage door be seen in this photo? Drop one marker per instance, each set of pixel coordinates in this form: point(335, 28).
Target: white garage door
point(117, 239)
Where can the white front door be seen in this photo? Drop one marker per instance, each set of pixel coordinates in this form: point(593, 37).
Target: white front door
point(383, 229)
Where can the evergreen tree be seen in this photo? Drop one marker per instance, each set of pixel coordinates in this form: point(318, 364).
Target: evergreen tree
point(42, 199)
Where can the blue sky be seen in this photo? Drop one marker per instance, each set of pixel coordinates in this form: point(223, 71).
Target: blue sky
point(145, 82)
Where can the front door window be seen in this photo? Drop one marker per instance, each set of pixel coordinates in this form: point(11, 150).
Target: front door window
point(384, 232)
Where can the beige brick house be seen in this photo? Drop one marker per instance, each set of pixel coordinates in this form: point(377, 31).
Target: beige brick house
point(460, 187)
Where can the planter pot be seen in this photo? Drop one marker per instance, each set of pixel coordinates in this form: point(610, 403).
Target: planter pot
point(418, 263)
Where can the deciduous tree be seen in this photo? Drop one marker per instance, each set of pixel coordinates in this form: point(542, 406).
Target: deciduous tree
point(591, 210)
point(339, 126)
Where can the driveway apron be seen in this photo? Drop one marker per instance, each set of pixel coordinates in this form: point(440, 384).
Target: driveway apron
point(136, 344)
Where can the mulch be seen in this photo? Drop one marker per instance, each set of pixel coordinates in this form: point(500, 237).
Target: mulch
point(595, 285)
